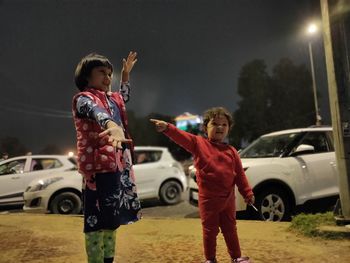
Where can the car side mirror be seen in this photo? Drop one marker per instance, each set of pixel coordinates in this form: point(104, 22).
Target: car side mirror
point(303, 149)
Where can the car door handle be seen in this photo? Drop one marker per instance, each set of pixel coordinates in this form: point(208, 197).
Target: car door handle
point(15, 177)
point(161, 167)
point(333, 164)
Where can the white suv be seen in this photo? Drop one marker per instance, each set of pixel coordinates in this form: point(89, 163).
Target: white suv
point(286, 169)
point(157, 174)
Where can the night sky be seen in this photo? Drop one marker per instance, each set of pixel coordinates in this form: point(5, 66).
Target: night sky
point(190, 55)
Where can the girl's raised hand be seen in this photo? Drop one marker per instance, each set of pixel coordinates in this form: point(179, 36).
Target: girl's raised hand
point(160, 125)
point(129, 62)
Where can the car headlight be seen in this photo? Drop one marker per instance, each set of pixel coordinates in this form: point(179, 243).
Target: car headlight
point(42, 184)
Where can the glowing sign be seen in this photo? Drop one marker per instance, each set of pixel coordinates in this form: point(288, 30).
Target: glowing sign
point(188, 121)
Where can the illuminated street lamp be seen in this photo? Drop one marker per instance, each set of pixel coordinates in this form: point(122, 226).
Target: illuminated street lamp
point(312, 29)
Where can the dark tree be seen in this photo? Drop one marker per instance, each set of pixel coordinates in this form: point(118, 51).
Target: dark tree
point(270, 103)
point(12, 146)
point(292, 104)
point(251, 118)
point(51, 149)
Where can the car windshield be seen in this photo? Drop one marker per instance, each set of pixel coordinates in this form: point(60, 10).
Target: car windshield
point(269, 146)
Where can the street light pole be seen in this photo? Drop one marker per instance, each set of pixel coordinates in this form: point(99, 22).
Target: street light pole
point(317, 111)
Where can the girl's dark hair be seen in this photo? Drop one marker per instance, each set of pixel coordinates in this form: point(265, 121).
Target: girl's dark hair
point(217, 111)
point(85, 66)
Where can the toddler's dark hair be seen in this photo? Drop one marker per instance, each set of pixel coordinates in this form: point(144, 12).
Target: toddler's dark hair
point(85, 66)
point(217, 111)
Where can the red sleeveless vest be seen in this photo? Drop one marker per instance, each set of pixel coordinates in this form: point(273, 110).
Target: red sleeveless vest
point(96, 155)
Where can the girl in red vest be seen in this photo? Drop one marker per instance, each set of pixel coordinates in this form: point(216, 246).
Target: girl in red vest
point(104, 154)
point(218, 170)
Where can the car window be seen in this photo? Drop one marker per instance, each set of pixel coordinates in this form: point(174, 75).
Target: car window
point(13, 167)
point(269, 146)
point(44, 164)
point(147, 156)
point(318, 140)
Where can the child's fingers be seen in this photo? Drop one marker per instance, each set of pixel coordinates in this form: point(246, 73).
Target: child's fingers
point(132, 57)
point(160, 125)
point(250, 200)
point(111, 139)
point(155, 121)
point(132, 54)
point(119, 145)
point(104, 133)
point(125, 140)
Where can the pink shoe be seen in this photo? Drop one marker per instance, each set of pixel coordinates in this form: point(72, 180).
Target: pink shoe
point(242, 260)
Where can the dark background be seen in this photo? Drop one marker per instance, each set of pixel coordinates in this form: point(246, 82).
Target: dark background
point(190, 55)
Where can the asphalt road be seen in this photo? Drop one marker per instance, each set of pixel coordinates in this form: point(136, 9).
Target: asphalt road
point(181, 210)
point(150, 208)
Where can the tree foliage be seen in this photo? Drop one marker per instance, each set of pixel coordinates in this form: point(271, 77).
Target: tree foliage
point(269, 103)
point(51, 149)
point(292, 96)
point(12, 146)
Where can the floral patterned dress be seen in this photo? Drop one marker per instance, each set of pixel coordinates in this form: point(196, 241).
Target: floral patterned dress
point(109, 198)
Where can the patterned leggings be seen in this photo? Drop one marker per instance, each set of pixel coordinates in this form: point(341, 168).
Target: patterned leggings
point(100, 246)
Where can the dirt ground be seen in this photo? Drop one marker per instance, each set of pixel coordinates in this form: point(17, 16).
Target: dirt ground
point(53, 238)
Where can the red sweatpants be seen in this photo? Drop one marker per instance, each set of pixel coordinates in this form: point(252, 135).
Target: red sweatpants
point(215, 213)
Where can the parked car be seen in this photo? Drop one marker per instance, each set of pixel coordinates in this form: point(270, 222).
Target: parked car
point(59, 193)
point(16, 173)
point(286, 169)
point(157, 174)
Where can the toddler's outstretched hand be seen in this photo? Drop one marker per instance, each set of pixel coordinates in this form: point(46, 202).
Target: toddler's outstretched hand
point(160, 125)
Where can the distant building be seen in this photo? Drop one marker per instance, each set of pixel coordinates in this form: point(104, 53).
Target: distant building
point(189, 122)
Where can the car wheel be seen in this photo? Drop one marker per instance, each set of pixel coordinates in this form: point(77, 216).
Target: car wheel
point(66, 203)
point(273, 205)
point(170, 193)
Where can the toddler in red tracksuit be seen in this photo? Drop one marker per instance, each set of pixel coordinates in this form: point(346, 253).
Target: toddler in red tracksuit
point(218, 170)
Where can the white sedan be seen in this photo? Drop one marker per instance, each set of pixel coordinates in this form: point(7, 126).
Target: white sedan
point(16, 173)
point(157, 174)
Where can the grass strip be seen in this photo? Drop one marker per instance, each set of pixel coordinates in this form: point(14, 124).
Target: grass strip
point(311, 225)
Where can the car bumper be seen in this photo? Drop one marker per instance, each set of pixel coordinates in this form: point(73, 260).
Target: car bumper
point(36, 202)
